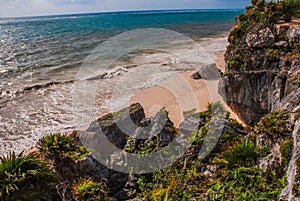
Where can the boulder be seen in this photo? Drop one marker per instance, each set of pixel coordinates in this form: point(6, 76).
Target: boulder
point(209, 72)
point(191, 123)
point(116, 126)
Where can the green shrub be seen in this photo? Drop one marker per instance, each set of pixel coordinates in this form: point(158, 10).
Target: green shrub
point(57, 146)
point(173, 183)
point(24, 178)
point(246, 183)
point(242, 154)
point(198, 136)
point(88, 190)
point(286, 150)
point(274, 125)
point(235, 123)
point(288, 9)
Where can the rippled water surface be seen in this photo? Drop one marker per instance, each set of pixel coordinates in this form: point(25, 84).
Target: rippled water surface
point(40, 58)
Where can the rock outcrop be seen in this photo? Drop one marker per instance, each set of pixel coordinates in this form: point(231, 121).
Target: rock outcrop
point(263, 68)
point(127, 129)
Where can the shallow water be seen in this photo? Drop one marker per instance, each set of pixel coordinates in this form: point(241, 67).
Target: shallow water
point(40, 58)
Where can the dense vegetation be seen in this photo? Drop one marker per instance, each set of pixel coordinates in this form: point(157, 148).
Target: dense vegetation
point(25, 177)
point(260, 15)
point(235, 173)
point(231, 172)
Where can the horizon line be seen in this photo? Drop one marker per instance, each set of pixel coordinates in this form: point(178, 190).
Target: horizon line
point(116, 11)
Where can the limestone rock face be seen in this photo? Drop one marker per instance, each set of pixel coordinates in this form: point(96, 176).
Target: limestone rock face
point(263, 38)
point(263, 71)
point(254, 94)
point(293, 34)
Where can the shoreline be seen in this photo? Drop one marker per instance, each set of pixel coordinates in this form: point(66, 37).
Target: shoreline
point(156, 97)
point(24, 126)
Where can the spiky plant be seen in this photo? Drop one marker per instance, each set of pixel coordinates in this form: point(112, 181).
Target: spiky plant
point(57, 146)
point(243, 154)
point(24, 177)
point(89, 190)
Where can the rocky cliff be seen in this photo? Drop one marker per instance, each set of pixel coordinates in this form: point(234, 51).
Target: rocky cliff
point(262, 85)
point(263, 69)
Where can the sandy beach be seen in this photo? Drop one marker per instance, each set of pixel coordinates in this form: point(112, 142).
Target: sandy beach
point(162, 95)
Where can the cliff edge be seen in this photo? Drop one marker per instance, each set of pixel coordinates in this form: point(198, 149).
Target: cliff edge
point(262, 63)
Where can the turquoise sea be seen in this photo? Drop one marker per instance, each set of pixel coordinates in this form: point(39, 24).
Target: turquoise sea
point(39, 57)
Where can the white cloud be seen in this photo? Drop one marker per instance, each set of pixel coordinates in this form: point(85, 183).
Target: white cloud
point(64, 2)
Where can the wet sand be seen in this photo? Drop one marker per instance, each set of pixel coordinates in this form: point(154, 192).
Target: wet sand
point(178, 98)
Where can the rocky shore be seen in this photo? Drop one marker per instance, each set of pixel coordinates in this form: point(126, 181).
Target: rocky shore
point(148, 151)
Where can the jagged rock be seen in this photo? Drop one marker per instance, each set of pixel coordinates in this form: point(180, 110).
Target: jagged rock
point(260, 39)
point(293, 34)
point(291, 101)
point(116, 126)
point(254, 94)
point(272, 161)
point(281, 44)
point(191, 123)
point(159, 129)
point(209, 169)
point(103, 174)
point(120, 129)
point(282, 29)
point(86, 165)
point(124, 194)
point(117, 181)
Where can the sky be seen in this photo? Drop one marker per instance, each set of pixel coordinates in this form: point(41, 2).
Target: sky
point(12, 8)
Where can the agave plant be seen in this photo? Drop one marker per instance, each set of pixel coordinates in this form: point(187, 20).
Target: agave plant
point(57, 146)
point(88, 190)
point(24, 177)
point(243, 154)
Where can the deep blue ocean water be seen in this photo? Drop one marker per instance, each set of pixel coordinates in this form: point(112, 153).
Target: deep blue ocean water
point(40, 58)
point(35, 43)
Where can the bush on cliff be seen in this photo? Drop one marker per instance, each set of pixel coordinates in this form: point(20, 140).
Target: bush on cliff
point(24, 178)
point(89, 190)
point(57, 146)
point(262, 14)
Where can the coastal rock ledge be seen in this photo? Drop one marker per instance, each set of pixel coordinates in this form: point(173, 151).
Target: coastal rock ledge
point(263, 70)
